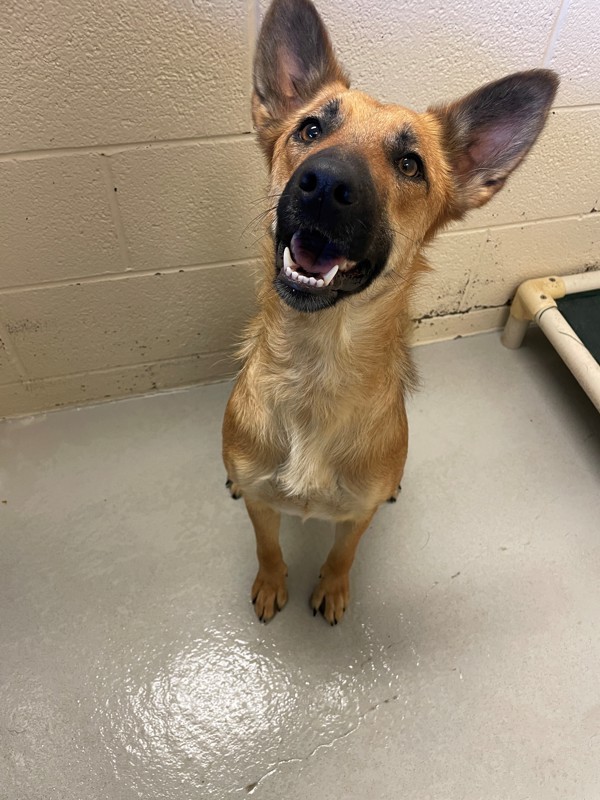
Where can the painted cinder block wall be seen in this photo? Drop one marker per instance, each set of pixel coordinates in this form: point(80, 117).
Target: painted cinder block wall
point(130, 178)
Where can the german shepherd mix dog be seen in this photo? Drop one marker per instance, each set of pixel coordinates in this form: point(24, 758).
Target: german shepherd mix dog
point(316, 423)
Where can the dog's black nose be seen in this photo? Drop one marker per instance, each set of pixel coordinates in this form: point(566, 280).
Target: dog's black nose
point(332, 193)
point(331, 187)
point(324, 182)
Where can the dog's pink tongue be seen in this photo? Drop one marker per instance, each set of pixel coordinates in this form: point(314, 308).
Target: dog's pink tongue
point(313, 256)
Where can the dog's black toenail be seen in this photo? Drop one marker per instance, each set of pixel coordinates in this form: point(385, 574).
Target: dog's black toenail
point(314, 612)
point(392, 499)
point(228, 483)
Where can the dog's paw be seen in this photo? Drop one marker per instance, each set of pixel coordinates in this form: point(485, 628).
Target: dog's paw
point(331, 597)
point(234, 490)
point(269, 593)
point(394, 497)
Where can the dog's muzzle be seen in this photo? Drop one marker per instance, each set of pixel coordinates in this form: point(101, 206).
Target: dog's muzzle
point(329, 239)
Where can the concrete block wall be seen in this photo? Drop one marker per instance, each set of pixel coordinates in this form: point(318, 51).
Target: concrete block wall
point(130, 181)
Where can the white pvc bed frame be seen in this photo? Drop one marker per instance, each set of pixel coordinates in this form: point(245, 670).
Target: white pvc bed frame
point(535, 301)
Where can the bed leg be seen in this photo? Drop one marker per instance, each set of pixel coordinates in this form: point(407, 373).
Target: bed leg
point(514, 332)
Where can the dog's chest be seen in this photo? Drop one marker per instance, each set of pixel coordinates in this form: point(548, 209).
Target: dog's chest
point(309, 469)
point(315, 474)
point(310, 480)
point(313, 416)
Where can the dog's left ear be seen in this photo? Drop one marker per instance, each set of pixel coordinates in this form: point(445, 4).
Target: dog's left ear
point(489, 132)
point(294, 60)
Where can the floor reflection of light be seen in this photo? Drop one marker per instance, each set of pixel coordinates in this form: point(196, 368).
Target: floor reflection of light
point(221, 710)
point(197, 714)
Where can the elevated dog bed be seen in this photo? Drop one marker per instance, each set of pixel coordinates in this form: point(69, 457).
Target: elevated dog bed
point(567, 309)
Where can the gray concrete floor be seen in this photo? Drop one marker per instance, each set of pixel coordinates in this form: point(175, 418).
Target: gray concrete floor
point(131, 664)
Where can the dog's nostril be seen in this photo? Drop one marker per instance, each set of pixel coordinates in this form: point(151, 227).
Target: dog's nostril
point(308, 182)
point(343, 194)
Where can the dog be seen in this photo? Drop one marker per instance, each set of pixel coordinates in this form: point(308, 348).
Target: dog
point(316, 423)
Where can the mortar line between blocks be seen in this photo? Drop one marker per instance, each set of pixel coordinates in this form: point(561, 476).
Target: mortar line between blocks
point(115, 210)
point(13, 354)
point(524, 224)
point(220, 354)
point(112, 149)
point(578, 107)
point(119, 276)
point(253, 12)
point(555, 32)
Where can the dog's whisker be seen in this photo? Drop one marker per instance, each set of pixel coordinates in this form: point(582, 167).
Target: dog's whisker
point(255, 221)
point(268, 197)
point(391, 229)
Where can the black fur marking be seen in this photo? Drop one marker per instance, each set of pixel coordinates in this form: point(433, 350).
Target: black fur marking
point(330, 116)
point(403, 143)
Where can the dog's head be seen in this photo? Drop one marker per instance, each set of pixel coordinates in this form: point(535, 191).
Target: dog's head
point(362, 185)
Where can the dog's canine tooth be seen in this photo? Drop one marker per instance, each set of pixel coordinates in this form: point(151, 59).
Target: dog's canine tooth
point(288, 261)
point(330, 275)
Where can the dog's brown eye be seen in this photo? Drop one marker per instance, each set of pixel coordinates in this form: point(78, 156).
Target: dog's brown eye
point(310, 130)
point(410, 166)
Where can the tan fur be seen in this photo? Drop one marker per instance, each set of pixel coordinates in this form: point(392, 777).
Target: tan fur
point(316, 423)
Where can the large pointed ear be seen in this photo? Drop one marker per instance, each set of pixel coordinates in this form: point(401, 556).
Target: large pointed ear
point(489, 132)
point(294, 60)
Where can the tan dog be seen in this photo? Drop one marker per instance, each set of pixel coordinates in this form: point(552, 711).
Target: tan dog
point(316, 424)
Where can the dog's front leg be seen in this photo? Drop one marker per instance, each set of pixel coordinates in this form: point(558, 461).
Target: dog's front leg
point(332, 593)
point(269, 593)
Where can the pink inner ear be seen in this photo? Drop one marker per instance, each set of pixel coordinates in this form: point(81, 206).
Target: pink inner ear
point(490, 145)
point(289, 73)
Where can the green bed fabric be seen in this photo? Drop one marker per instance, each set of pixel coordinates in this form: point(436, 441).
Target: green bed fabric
point(582, 312)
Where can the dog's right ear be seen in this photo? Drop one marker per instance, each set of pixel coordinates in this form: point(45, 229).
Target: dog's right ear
point(294, 60)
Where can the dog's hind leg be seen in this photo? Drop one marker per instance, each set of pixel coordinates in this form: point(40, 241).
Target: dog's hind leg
point(269, 593)
point(394, 497)
point(234, 490)
point(332, 594)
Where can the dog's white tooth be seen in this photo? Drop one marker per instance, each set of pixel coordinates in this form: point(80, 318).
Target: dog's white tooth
point(320, 282)
point(312, 281)
point(303, 278)
point(288, 261)
point(330, 275)
point(287, 270)
point(295, 276)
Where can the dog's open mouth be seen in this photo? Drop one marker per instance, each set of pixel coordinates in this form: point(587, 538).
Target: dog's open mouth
point(312, 261)
point(313, 272)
